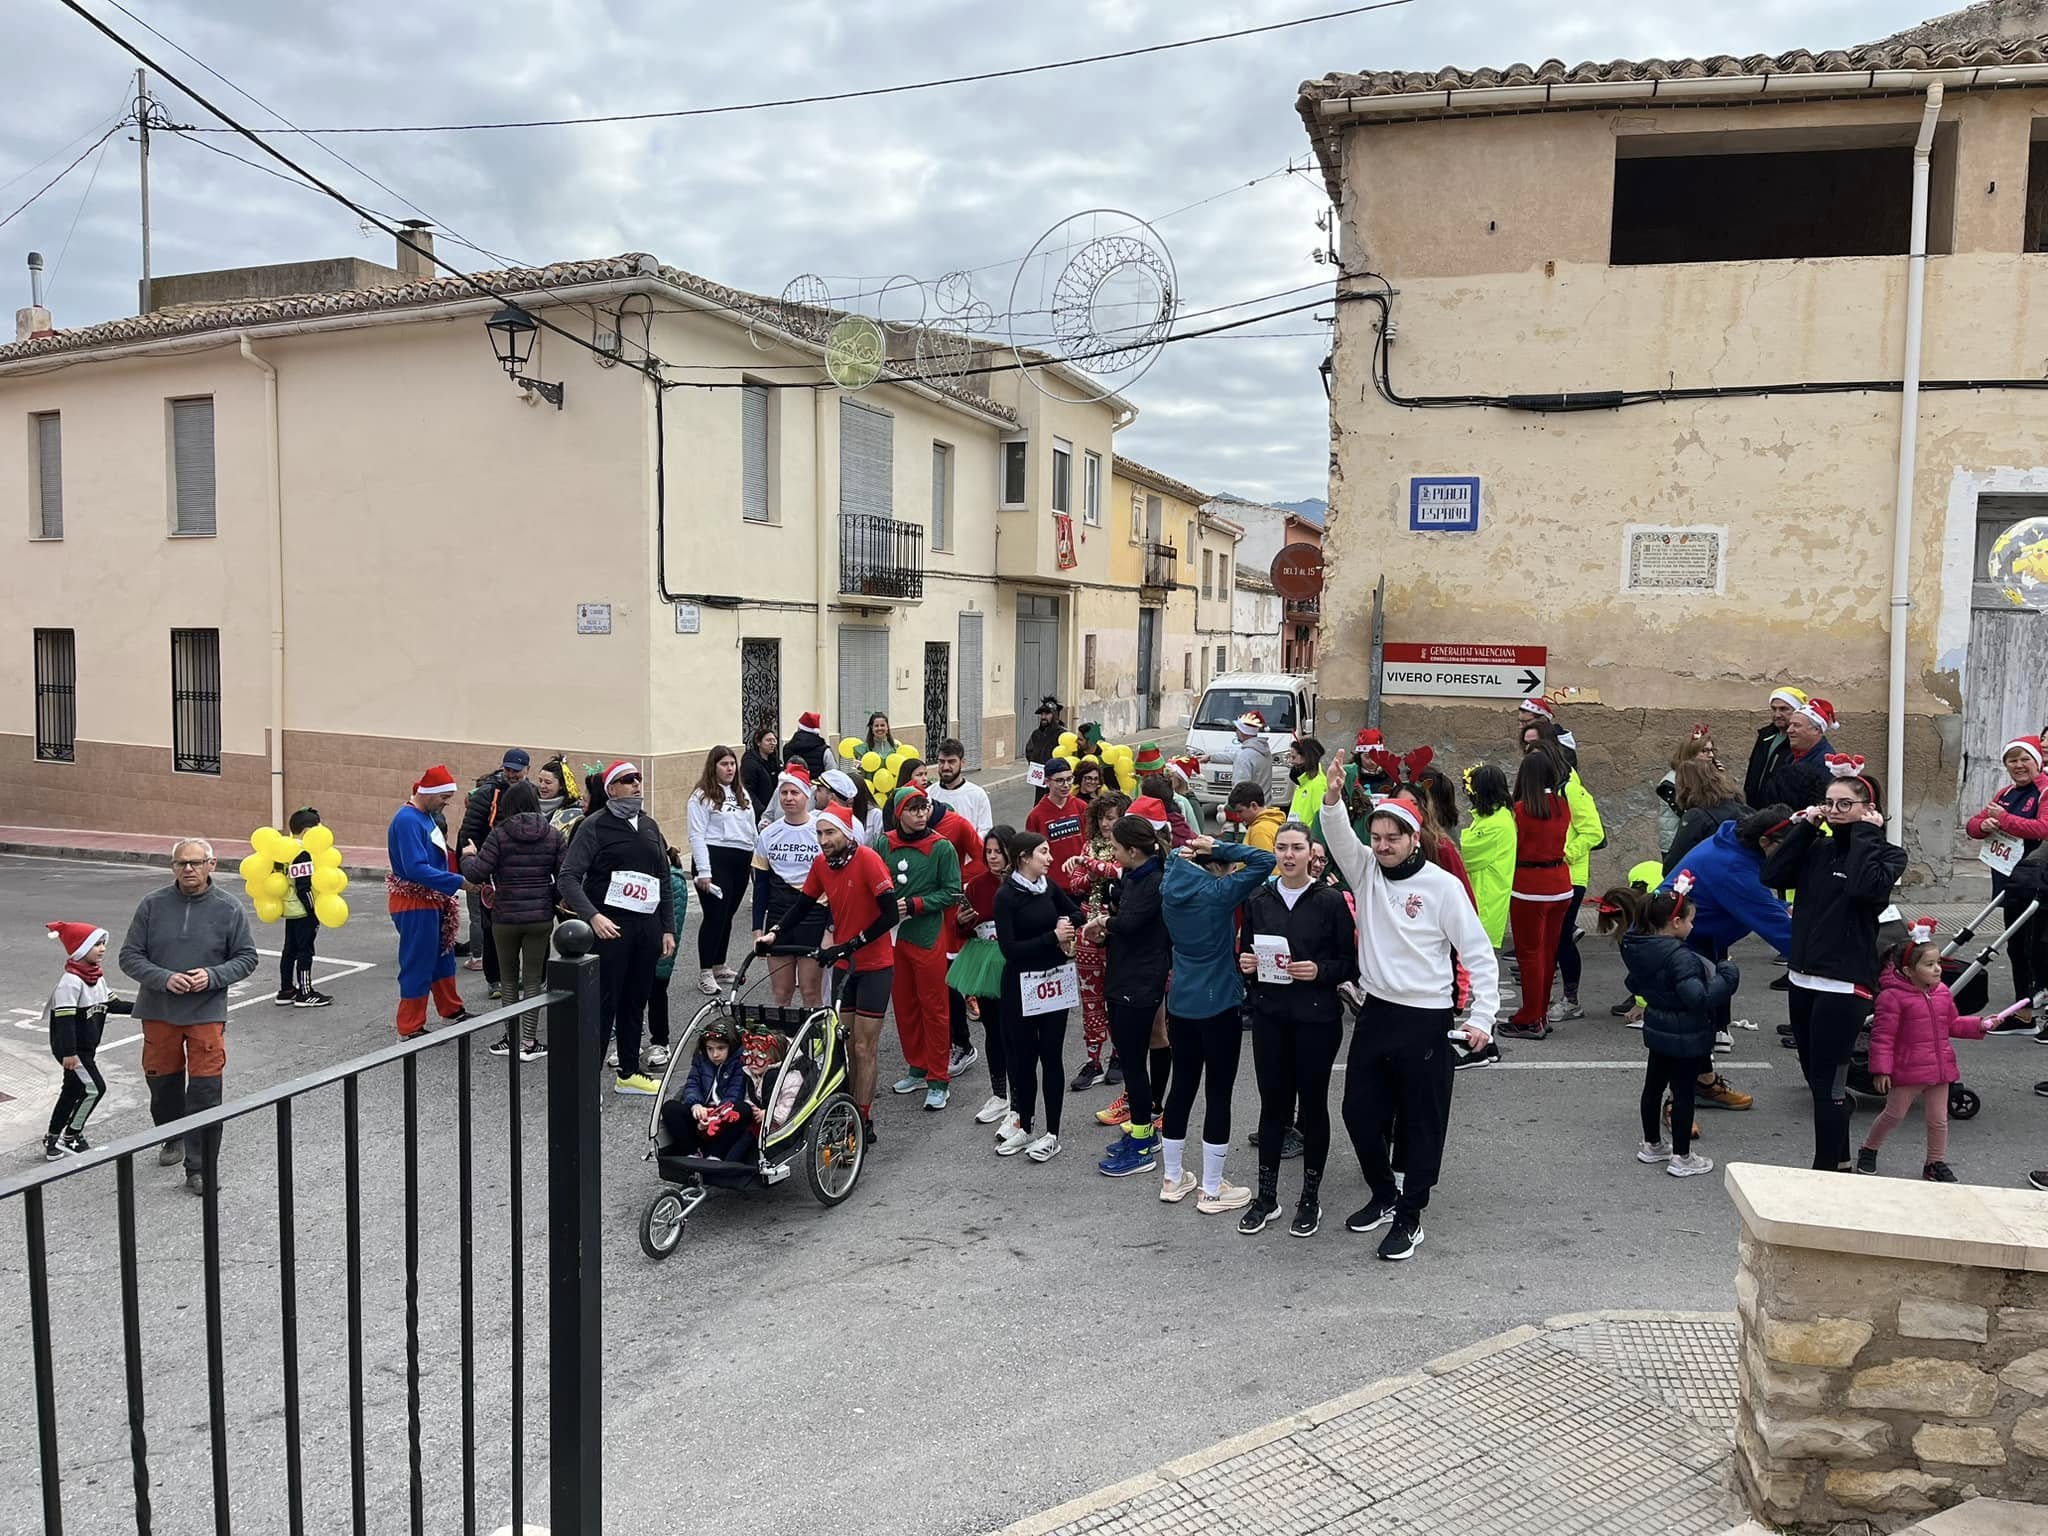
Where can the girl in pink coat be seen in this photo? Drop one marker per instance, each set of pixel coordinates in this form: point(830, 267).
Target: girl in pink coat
point(1910, 1054)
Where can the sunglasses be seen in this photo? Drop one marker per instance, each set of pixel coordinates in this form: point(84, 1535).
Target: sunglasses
point(626, 778)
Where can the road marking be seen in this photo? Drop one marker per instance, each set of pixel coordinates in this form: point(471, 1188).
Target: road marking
point(355, 967)
point(1598, 1066)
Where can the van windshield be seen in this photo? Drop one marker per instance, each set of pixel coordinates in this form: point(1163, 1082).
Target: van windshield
point(1221, 707)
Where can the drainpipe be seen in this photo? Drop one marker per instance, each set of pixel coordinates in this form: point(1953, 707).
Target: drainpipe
point(827, 529)
point(274, 487)
point(1909, 433)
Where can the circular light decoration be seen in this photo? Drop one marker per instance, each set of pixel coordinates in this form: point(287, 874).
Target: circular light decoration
point(2018, 563)
point(1098, 294)
point(901, 304)
point(805, 303)
point(953, 292)
point(945, 348)
point(854, 352)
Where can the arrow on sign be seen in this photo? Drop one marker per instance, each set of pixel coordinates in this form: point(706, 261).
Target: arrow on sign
point(1530, 680)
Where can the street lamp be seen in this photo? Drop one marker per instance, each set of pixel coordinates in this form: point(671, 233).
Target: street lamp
point(512, 332)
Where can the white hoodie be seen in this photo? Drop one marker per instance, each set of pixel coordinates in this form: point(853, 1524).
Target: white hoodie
point(1408, 928)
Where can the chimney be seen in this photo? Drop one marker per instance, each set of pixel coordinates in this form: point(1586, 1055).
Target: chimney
point(413, 266)
point(35, 320)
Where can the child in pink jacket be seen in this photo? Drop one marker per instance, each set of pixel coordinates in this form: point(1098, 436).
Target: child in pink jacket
point(1910, 1054)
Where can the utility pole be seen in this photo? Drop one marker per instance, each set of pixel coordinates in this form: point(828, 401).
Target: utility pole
point(142, 110)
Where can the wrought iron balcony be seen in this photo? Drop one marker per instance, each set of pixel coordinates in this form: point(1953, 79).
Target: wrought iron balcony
point(1303, 607)
point(1162, 565)
point(880, 557)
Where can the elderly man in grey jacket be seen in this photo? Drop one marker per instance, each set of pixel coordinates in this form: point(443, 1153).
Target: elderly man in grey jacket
point(187, 944)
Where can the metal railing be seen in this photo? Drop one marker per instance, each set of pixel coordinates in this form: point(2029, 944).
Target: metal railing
point(573, 1274)
point(1162, 565)
point(880, 556)
point(1302, 607)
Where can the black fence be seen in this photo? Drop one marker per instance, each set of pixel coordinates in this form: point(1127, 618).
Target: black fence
point(1162, 565)
point(574, 1334)
point(880, 556)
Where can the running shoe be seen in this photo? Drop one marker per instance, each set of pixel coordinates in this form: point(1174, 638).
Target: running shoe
point(1624, 1008)
point(1045, 1149)
point(1654, 1152)
point(497, 994)
point(1173, 1191)
point(1402, 1239)
point(1308, 1216)
point(2038, 1178)
point(1089, 1075)
point(2011, 1028)
point(1939, 1173)
point(1866, 1159)
point(2041, 1090)
point(636, 1083)
point(912, 1081)
point(502, 1046)
point(1130, 1154)
point(76, 1141)
point(997, 1106)
point(1565, 1008)
point(1635, 1023)
point(1685, 1167)
point(723, 974)
point(54, 1151)
point(1524, 1031)
point(312, 999)
point(655, 1056)
point(936, 1095)
point(1228, 1197)
point(1488, 1055)
point(1118, 1113)
point(288, 997)
point(1011, 1140)
point(473, 963)
point(1370, 1217)
point(1256, 1215)
point(961, 1059)
point(1723, 1041)
point(1719, 1094)
point(1113, 1073)
point(611, 1056)
point(707, 984)
point(533, 1050)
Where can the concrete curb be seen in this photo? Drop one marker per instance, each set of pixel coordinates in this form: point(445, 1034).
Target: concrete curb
point(1321, 1413)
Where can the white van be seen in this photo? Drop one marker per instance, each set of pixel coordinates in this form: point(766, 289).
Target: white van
point(1287, 703)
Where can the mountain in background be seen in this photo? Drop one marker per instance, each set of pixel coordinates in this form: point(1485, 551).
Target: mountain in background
point(1314, 509)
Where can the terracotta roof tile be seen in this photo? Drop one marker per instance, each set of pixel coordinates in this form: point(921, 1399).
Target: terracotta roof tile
point(1132, 469)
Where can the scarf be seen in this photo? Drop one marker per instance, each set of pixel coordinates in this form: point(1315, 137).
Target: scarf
point(1406, 867)
point(627, 807)
point(843, 857)
point(85, 971)
point(1035, 887)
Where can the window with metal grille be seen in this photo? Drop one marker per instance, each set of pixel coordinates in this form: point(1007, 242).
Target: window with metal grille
point(49, 473)
point(867, 459)
point(1091, 490)
point(195, 700)
point(942, 496)
point(1016, 460)
point(192, 486)
point(56, 695)
point(760, 685)
point(1222, 659)
point(1062, 476)
point(938, 691)
point(757, 408)
point(1087, 661)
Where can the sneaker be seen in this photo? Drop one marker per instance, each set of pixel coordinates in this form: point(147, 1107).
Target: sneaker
point(636, 1083)
point(961, 1059)
point(2041, 1090)
point(1290, 1144)
point(707, 983)
point(312, 999)
point(2018, 1024)
point(1045, 1149)
point(171, 1153)
point(1012, 1139)
point(1113, 1073)
point(1130, 1155)
point(1524, 1031)
point(1488, 1055)
point(2038, 1178)
point(1119, 1112)
point(497, 994)
point(459, 1016)
point(910, 1082)
point(288, 997)
point(611, 1058)
point(867, 1130)
point(1089, 1075)
point(75, 1141)
point(1173, 1191)
point(473, 963)
point(533, 1050)
point(1308, 1216)
point(54, 1151)
point(1371, 1217)
point(1938, 1173)
point(655, 1056)
point(1685, 1167)
point(1866, 1159)
point(936, 1095)
point(1565, 1008)
point(1256, 1215)
point(1654, 1152)
point(1402, 1239)
point(1623, 1009)
point(1228, 1197)
point(998, 1105)
point(1782, 984)
point(195, 1183)
point(1635, 1021)
point(1720, 1095)
point(502, 1046)
point(723, 975)
point(1723, 1041)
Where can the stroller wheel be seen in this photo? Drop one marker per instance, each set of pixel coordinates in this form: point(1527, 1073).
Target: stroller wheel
point(834, 1149)
point(662, 1224)
point(1963, 1103)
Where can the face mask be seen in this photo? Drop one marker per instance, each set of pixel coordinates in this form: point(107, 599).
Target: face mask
point(843, 856)
point(627, 806)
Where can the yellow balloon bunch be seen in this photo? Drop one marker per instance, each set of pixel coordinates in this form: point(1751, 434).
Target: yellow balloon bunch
point(849, 749)
point(264, 877)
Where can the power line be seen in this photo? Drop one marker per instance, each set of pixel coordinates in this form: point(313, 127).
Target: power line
point(228, 154)
point(74, 165)
point(50, 286)
point(65, 149)
point(870, 92)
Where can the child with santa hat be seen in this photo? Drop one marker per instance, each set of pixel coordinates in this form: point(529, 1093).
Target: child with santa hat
point(78, 1017)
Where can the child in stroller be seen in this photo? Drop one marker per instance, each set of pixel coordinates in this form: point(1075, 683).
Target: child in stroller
point(715, 1115)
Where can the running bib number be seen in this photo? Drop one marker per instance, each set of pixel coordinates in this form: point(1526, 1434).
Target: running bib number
point(631, 891)
point(2001, 853)
point(1049, 991)
point(1273, 959)
point(985, 931)
point(1035, 776)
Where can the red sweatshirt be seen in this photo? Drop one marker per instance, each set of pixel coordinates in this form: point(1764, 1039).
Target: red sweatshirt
point(1061, 827)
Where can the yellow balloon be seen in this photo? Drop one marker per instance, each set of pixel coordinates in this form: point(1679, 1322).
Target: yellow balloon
point(318, 837)
point(1128, 780)
point(269, 910)
point(870, 762)
point(331, 910)
point(327, 858)
point(909, 754)
point(293, 848)
point(274, 885)
point(894, 760)
point(850, 748)
point(1068, 739)
point(262, 838)
point(256, 866)
point(329, 882)
point(883, 783)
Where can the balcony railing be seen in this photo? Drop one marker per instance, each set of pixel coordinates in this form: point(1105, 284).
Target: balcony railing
point(1303, 607)
point(1162, 565)
point(880, 556)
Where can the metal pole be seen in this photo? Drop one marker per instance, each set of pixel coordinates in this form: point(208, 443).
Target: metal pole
point(575, 1274)
point(1379, 649)
point(142, 105)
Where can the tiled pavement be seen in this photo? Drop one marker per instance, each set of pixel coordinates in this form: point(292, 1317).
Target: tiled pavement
point(1590, 1425)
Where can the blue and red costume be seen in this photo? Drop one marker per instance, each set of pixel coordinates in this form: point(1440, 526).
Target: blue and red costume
point(422, 890)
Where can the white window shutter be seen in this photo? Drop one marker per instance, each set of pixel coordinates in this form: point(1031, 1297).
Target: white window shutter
point(192, 458)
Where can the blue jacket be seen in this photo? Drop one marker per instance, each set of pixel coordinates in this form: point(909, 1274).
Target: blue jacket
point(414, 853)
point(1201, 918)
point(709, 1085)
point(1729, 898)
point(1680, 991)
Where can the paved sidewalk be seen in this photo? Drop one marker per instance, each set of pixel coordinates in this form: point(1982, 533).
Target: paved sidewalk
point(1596, 1424)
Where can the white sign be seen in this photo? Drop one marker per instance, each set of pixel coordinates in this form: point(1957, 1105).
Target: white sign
point(593, 618)
point(1657, 559)
point(1053, 991)
point(689, 619)
point(1458, 670)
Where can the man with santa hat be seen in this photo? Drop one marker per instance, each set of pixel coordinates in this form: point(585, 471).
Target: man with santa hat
point(420, 893)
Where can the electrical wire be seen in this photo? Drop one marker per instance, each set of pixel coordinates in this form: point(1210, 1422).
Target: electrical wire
point(50, 283)
point(74, 165)
point(871, 91)
point(24, 175)
point(229, 154)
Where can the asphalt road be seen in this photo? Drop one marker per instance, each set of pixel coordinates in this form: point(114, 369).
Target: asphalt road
point(968, 1339)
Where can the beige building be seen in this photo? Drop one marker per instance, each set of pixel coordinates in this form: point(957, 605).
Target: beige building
point(285, 548)
point(1659, 314)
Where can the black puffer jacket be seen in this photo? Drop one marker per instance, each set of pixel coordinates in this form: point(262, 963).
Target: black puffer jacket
point(1140, 951)
point(1696, 826)
point(806, 747)
point(522, 857)
point(1680, 989)
point(1842, 882)
point(759, 776)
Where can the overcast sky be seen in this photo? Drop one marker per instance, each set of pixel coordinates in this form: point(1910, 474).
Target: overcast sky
point(921, 184)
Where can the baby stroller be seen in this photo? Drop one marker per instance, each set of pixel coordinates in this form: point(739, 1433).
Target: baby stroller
point(798, 1059)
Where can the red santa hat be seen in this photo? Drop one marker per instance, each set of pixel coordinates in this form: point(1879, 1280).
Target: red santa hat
point(1251, 723)
point(1401, 811)
point(1149, 808)
point(843, 814)
point(1921, 930)
point(78, 939)
point(618, 769)
point(1820, 712)
point(2031, 745)
point(1539, 707)
point(794, 772)
point(1369, 736)
point(437, 780)
point(1186, 769)
point(808, 720)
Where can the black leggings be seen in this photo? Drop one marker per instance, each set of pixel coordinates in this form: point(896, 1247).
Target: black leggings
point(1400, 1063)
point(1292, 1061)
point(625, 977)
point(728, 868)
point(962, 1029)
point(1200, 1045)
point(2020, 951)
point(1824, 1027)
point(1035, 1047)
point(1679, 1074)
point(1568, 962)
point(1130, 1037)
point(76, 1100)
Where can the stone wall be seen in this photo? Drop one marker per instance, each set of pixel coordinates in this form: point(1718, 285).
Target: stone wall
point(1894, 1346)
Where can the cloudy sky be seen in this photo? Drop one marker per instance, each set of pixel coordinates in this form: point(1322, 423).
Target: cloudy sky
point(925, 183)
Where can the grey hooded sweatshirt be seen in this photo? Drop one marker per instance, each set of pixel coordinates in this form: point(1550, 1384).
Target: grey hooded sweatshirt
point(173, 932)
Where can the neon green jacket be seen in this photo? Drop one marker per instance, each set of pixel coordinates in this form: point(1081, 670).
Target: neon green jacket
point(1488, 848)
point(1586, 833)
point(1308, 798)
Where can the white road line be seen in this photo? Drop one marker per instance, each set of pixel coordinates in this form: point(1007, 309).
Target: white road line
point(1597, 1066)
point(354, 968)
